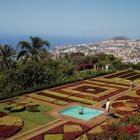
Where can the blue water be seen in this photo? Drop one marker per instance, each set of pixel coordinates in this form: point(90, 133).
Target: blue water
point(88, 113)
point(54, 40)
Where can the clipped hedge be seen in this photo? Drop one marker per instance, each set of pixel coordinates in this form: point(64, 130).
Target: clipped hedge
point(10, 125)
point(11, 120)
point(21, 106)
point(60, 81)
point(18, 108)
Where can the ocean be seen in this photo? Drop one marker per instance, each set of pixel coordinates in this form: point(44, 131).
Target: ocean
point(54, 40)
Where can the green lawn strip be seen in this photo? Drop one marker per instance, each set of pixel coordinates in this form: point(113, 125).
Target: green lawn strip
point(47, 99)
point(95, 82)
point(83, 100)
point(55, 93)
point(36, 117)
point(28, 125)
point(33, 120)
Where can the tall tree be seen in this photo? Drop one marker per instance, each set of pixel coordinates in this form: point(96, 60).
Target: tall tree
point(31, 48)
point(6, 55)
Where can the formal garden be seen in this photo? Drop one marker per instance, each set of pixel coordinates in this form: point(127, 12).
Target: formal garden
point(30, 116)
point(43, 97)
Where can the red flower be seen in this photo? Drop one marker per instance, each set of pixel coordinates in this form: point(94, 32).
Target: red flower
point(130, 129)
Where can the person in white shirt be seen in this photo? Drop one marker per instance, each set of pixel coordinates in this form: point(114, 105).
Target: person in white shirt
point(107, 108)
point(132, 85)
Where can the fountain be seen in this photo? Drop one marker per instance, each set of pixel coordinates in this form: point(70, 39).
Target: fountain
point(81, 112)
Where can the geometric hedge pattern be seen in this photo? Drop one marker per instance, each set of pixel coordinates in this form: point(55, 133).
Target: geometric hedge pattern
point(128, 75)
point(87, 91)
point(67, 131)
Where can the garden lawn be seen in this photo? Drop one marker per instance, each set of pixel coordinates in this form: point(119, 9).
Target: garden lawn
point(32, 119)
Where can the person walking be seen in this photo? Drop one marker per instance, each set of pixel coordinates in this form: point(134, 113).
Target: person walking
point(132, 85)
point(107, 108)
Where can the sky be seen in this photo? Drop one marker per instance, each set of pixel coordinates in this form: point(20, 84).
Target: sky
point(88, 19)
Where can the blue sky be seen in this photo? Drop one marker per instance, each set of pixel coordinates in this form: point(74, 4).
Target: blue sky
point(70, 18)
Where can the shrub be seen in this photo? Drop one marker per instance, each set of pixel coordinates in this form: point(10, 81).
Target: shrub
point(32, 109)
point(9, 125)
point(127, 128)
point(7, 131)
point(11, 120)
point(18, 108)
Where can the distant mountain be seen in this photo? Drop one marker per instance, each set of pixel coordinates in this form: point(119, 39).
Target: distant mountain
point(120, 38)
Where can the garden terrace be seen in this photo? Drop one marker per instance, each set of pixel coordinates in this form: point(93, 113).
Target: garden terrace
point(84, 92)
point(46, 123)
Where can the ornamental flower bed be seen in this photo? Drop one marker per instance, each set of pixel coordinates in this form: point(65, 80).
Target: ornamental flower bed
point(82, 90)
point(117, 104)
point(125, 97)
point(66, 131)
point(134, 77)
point(10, 125)
point(96, 90)
point(108, 82)
point(126, 128)
point(8, 130)
point(135, 101)
point(123, 112)
point(53, 96)
point(128, 75)
point(111, 94)
point(118, 74)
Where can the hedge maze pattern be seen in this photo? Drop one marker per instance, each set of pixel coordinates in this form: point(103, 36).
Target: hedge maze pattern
point(87, 91)
point(128, 75)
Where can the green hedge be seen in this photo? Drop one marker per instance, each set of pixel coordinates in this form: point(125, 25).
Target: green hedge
point(60, 81)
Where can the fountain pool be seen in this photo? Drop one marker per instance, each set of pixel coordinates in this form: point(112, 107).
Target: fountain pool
point(88, 113)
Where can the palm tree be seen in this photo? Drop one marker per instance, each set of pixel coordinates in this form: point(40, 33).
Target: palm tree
point(6, 55)
point(31, 49)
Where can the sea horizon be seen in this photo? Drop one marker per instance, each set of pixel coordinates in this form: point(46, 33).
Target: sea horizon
point(55, 41)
